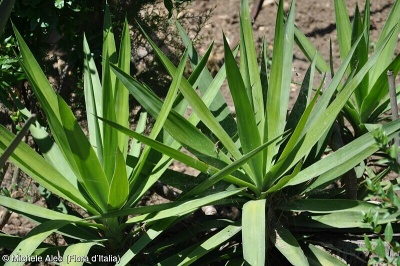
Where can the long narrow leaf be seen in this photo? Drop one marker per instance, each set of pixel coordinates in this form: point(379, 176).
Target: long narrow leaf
point(287, 244)
point(36, 167)
point(188, 160)
point(253, 231)
point(279, 87)
point(392, 24)
point(249, 66)
point(198, 105)
point(87, 163)
point(119, 185)
point(163, 114)
point(121, 96)
point(247, 125)
point(93, 100)
point(343, 159)
point(76, 254)
point(185, 207)
point(323, 257)
point(33, 240)
point(343, 28)
point(211, 243)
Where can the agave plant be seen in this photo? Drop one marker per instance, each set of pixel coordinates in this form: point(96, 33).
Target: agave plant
point(370, 102)
point(255, 153)
point(371, 98)
point(90, 173)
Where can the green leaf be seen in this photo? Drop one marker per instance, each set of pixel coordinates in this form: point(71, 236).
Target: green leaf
point(93, 100)
point(162, 116)
point(323, 257)
point(85, 159)
point(28, 208)
point(176, 125)
point(380, 249)
point(378, 91)
point(368, 244)
point(211, 243)
point(279, 86)
point(74, 252)
point(51, 152)
point(209, 88)
point(46, 96)
point(343, 28)
point(287, 244)
point(343, 159)
point(253, 231)
point(324, 213)
point(42, 172)
point(18, 138)
point(119, 186)
point(150, 234)
point(327, 206)
point(247, 126)
point(360, 58)
point(322, 122)
point(198, 105)
point(249, 65)
point(186, 159)
point(228, 169)
point(185, 207)
point(391, 25)
point(389, 232)
point(109, 51)
point(33, 239)
point(121, 96)
point(110, 134)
